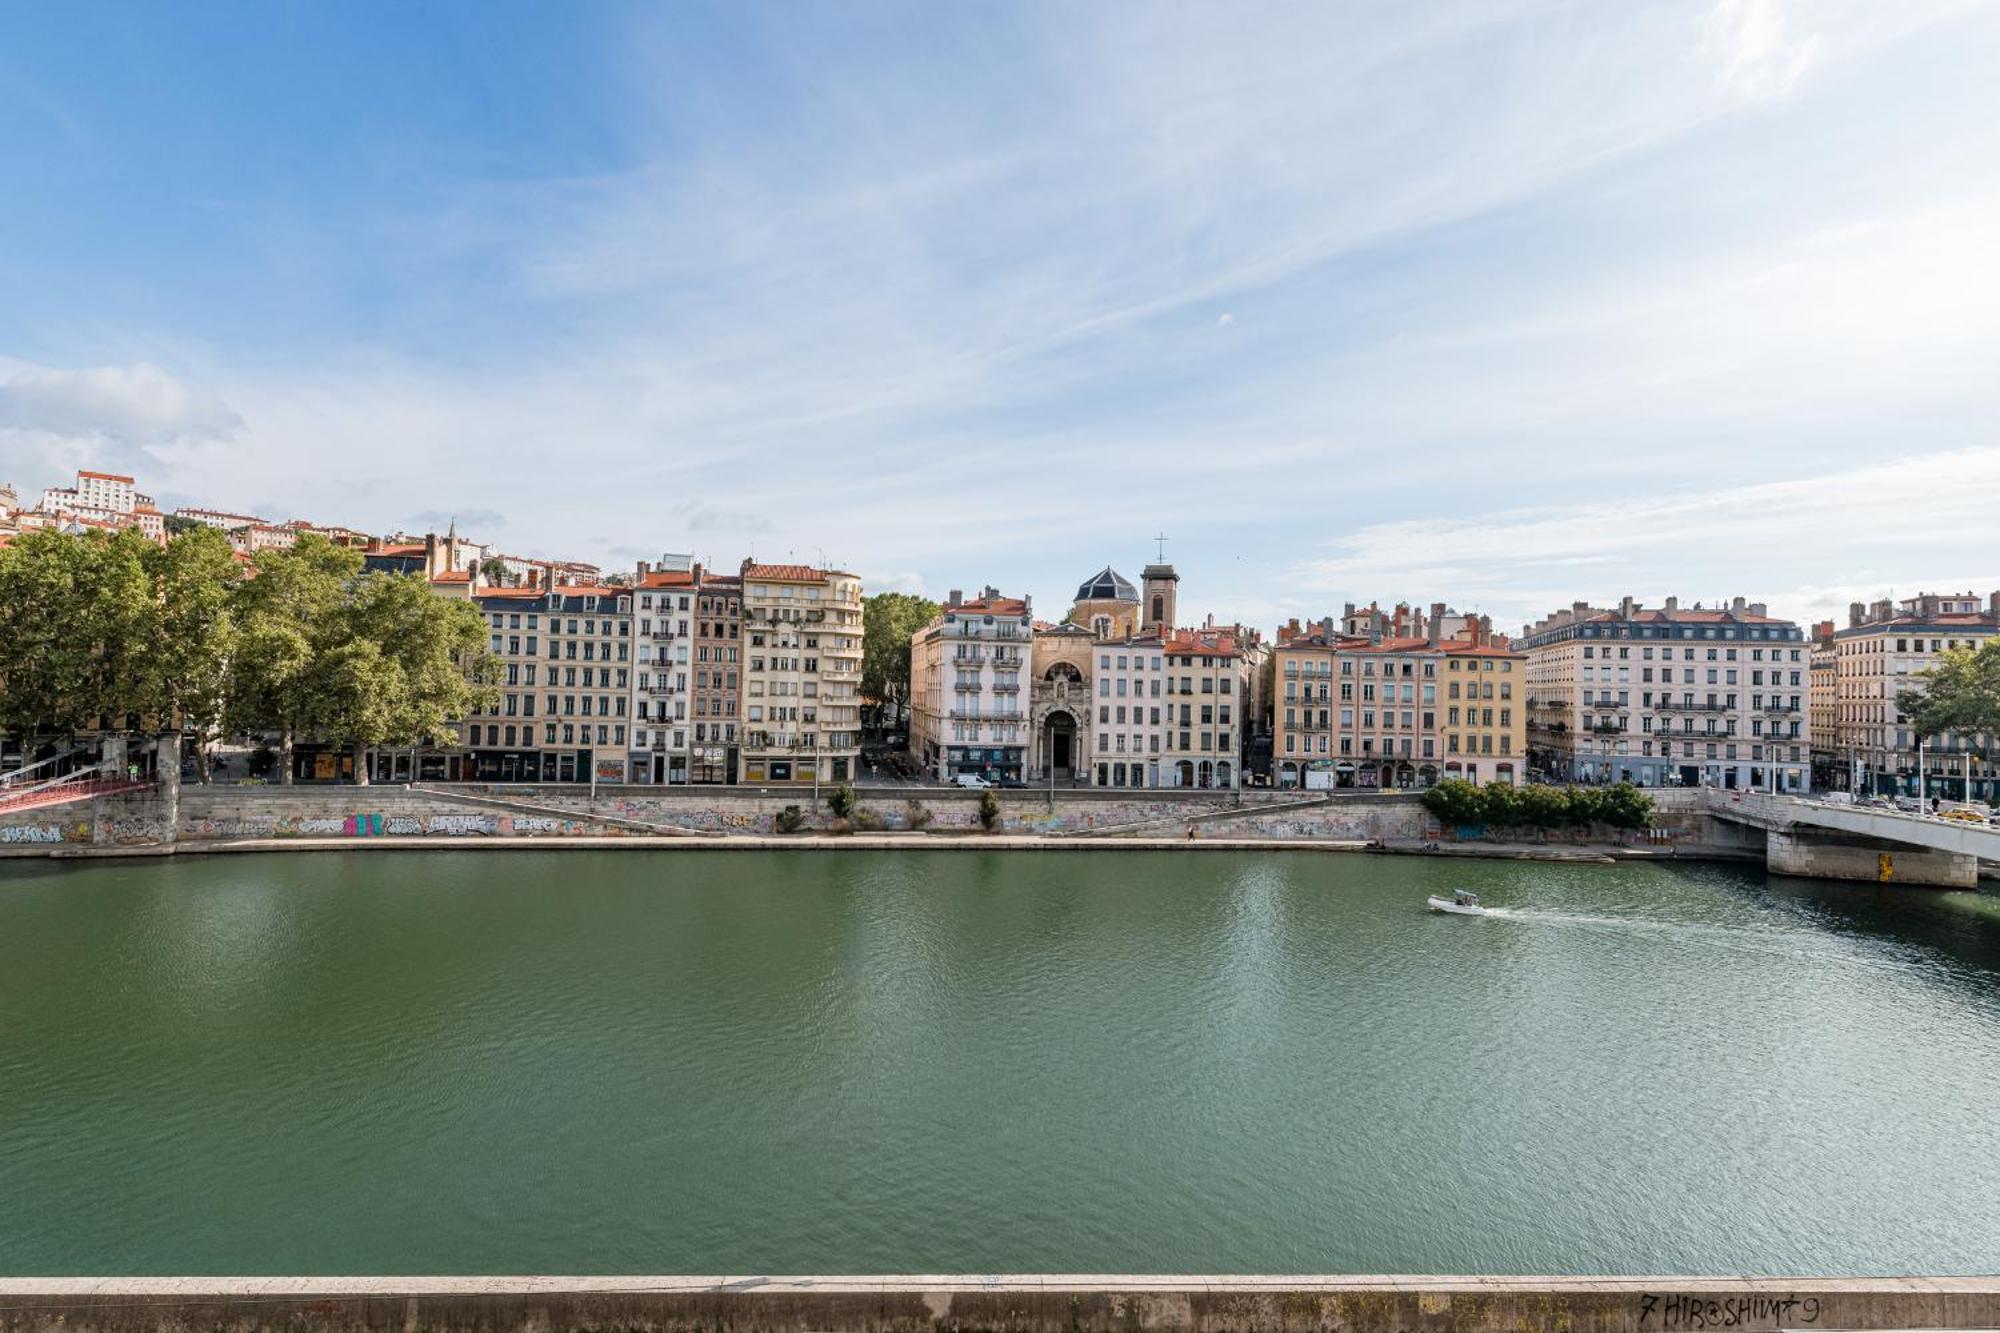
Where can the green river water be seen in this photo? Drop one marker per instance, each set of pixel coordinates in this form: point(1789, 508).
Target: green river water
point(1114, 1061)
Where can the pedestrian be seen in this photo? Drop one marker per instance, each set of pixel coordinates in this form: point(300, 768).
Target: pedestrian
point(1190, 830)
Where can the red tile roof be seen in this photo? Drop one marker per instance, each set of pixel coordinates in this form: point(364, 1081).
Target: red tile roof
point(104, 476)
point(668, 578)
point(454, 576)
point(991, 606)
point(788, 573)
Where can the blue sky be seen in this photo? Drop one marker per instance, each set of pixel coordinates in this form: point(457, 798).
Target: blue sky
point(1506, 303)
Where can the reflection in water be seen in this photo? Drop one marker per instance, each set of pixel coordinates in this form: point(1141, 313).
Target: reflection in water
point(1108, 1061)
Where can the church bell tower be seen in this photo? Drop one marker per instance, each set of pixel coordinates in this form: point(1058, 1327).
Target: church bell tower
point(1157, 605)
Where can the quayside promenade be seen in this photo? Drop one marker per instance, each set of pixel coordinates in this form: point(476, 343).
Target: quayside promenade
point(1020, 1303)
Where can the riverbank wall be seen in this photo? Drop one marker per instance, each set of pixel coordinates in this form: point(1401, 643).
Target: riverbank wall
point(1018, 1304)
point(212, 817)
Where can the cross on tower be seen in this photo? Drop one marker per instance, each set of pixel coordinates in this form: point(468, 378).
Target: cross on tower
point(1162, 540)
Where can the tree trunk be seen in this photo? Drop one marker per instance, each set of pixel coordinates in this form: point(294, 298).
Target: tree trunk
point(360, 765)
point(285, 758)
point(201, 760)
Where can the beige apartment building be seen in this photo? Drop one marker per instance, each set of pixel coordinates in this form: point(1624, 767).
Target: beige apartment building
point(1696, 696)
point(565, 657)
point(1823, 710)
point(1885, 649)
point(801, 674)
point(1207, 691)
point(969, 712)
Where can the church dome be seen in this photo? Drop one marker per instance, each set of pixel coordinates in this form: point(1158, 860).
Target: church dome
point(1107, 585)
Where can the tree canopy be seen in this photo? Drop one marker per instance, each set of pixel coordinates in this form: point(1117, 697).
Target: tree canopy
point(1462, 805)
point(1960, 693)
point(99, 629)
point(888, 619)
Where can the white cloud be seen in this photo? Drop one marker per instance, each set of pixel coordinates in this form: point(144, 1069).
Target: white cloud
point(1758, 52)
point(140, 404)
point(1519, 564)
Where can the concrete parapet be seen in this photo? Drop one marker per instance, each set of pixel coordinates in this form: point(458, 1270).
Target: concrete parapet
point(1020, 1304)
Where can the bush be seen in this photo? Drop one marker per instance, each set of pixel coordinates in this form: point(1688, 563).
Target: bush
point(916, 813)
point(1625, 806)
point(989, 809)
point(789, 819)
point(869, 822)
point(841, 801)
point(262, 760)
point(1456, 803)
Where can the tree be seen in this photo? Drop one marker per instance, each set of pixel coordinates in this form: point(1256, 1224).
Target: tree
point(290, 617)
point(1500, 805)
point(1456, 803)
point(1959, 693)
point(76, 632)
point(194, 578)
point(989, 809)
point(494, 570)
point(1541, 807)
point(840, 800)
point(1625, 806)
point(888, 619)
point(431, 665)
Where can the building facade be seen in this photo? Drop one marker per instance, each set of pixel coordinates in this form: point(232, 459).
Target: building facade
point(565, 657)
point(969, 708)
point(1823, 711)
point(1201, 729)
point(1669, 697)
point(715, 755)
point(663, 609)
point(1883, 651)
point(802, 674)
point(1127, 731)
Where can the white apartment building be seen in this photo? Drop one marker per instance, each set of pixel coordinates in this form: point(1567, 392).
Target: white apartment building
point(1129, 731)
point(1884, 650)
point(968, 673)
point(801, 674)
point(664, 607)
point(97, 494)
point(1700, 696)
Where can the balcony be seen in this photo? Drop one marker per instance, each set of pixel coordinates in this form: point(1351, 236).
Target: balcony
point(1669, 706)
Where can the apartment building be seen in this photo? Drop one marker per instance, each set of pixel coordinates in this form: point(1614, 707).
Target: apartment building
point(1482, 714)
point(663, 644)
point(563, 714)
point(1696, 696)
point(968, 678)
point(802, 674)
point(1206, 692)
point(1884, 650)
point(1130, 731)
point(717, 691)
point(1305, 694)
point(1830, 772)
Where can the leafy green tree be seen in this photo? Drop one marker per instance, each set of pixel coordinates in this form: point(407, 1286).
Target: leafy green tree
point(76, 633)
point(289, 618)
point(1500, 805)
point(1625, 806)
point(1456, 803)
point(1581, 806)
point(431, 666)
point(1960, 693)
point(1542, 807)
point(888, 619)
point(494, 570)
point(989, 810)
point(841, 801)
point(194, 579)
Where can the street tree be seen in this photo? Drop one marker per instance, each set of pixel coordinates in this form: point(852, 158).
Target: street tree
point(888, 619)
point(1960, 693)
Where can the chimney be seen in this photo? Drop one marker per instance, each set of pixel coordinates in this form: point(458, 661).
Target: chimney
point(1736, 606)
point(1759, 609)
point(1856, 613)
point(1673, 605)
point(1993, 606)
point(1625, 608)
point(697, 571)
point(1927, 606)
point(955, 598)
point(643, 568)
point(431, 569)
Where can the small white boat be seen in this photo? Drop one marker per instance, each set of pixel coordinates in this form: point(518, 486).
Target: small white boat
point(1461, 903)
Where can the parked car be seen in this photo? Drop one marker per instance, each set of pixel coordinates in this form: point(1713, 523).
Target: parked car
point(971, 781)
point(1837, 797)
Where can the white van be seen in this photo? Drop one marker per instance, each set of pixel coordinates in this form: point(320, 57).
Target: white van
point(972, 781)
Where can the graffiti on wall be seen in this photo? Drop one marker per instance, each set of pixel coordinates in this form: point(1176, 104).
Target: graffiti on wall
point(375, 824)
point(31, 833)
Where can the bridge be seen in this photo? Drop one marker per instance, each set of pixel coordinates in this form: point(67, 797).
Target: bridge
point(1825, 840)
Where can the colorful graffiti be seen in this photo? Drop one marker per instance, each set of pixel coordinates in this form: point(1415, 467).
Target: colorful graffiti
point(33, 833)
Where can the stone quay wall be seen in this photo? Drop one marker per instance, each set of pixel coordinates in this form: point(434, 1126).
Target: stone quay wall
point(1016, 1304)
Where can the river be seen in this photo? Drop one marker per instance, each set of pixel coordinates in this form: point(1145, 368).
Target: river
point(698, 1062)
